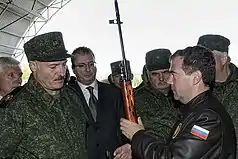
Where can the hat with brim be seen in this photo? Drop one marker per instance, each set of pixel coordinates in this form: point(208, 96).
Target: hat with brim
point(116, 67)
point(214, 42)
point(46, 48)
point(157, 59)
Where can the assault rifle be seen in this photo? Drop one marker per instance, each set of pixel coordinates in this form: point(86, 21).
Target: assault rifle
point(126, 75)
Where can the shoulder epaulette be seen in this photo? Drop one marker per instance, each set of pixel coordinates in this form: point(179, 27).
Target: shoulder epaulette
point(7, 98)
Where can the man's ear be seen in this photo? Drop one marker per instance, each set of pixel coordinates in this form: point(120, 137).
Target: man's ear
point(148, 75)
point(33, 66)
point(112, 79)
point(197, 77)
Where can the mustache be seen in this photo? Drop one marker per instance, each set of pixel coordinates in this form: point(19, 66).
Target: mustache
point(60, 78)
point(162, 82)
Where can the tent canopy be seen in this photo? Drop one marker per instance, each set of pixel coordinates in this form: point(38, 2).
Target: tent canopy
point(20, 20)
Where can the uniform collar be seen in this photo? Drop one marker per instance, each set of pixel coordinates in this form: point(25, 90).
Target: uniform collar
point(233, 76)
point(39, 92)
point(154, 91)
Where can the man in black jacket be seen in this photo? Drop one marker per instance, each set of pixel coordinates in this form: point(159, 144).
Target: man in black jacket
point(205, 130)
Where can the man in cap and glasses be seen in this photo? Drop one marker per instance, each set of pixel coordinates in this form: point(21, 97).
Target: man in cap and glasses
point(45, 119)
point(226, 82)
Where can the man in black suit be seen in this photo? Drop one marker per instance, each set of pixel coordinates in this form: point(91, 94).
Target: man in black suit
point(103, 105)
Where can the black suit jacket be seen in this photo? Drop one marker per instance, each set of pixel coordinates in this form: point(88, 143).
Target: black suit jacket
point(104, 135)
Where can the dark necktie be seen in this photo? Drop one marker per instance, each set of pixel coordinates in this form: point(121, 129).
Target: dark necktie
point(92, 103)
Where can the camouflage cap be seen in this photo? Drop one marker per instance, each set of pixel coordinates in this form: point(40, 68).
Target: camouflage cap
point(214, 42)
point(157, 59)
point(116, 67)
point(46, 47)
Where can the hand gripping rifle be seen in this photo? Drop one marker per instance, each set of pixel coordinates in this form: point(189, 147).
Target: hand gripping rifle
point(126, 85)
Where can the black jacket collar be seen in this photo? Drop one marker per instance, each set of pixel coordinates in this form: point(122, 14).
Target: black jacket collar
point(192, 104)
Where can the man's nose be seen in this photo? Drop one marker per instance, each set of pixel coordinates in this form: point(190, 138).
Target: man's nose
point(161, 77)
point(87, 68)
point(62, 71)
point(18, 79)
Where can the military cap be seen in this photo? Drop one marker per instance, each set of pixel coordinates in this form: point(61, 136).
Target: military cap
point(116, 67)
point(214, 42)
point(46, 47)
point(157, 59)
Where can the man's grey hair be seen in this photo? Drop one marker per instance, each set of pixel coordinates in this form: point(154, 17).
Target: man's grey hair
point(8, 62)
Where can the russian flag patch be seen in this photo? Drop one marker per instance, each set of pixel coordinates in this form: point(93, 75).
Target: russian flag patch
point(200, 132)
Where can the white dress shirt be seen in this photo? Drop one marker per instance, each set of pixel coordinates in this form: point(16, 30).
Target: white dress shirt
point(86, 92)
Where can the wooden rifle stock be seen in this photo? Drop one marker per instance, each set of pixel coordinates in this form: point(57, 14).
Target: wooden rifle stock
point(128, 98)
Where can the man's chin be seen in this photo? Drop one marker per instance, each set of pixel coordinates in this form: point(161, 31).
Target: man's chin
point(58, 85)
point(88, 81)
point(163, 87)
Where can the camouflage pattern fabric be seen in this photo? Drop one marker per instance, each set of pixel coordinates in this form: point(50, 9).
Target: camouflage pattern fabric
point(234, 71)
point(46, 47)
point(157, 59)
point(227, 94)
point(157, 112)
point(214, 42)
point(116, 67)
point(36, 125)
point(142, 84)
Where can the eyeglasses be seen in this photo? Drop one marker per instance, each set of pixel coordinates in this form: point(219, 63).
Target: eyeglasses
point(86, 65)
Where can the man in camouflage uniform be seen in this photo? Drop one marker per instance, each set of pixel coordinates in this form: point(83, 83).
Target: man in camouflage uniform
point(154, 102)
point(226, 85)
point(45, 119)
point(10, 79)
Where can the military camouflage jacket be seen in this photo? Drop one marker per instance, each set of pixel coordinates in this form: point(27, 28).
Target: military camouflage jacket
point(156, 111)
point(227, 94)
point(36, 125)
